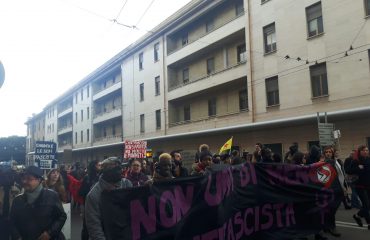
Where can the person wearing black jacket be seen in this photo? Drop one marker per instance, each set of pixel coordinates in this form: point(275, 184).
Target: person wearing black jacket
point(37, 213)
point(361, 168)
point(177, 169)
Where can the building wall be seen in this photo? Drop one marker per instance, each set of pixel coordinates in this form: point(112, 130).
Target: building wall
point(86, 123)
point(132, 77)
point(51, 123)
point(348, 78)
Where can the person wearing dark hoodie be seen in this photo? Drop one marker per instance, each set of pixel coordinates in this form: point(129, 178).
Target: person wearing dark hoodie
point(289, 155)
point(109, 180)
point(135, 175)
point(361, 168)
point(162, 169)
point(314, 155)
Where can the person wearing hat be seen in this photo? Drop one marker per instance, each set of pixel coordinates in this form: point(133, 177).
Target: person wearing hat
point(205, 162)
point(110, 179)
point(37, 213)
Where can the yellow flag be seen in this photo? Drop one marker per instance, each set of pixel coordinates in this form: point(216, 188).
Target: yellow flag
point(227, 145)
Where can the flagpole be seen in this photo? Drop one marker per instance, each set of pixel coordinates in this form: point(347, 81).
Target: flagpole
point(231, 145)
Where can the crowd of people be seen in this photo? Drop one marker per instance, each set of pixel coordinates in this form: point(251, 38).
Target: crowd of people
point(31, 203)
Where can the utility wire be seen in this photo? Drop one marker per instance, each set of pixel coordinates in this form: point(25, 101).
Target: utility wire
point(120, 11)
point(142, 16)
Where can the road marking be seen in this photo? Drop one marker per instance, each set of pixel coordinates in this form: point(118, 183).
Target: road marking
point(349, 225)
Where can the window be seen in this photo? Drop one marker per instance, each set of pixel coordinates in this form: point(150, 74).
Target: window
point(187, 113)
point(210, 25)
point(114, 129)
point(76, 116)
point(367, 7)
point(212, 107)
point(241, 53)
point(142, 92)
point(314, 20)
point(156, 52)
point(104, 131)
point(88, 135)
point(82, 115)
point(272, 91)
point(184, 39)
point(141, 60)
point(243, 99)
point(88, 112)
point(185, 75)
point(319, 81)
point(82, 136)
point(269, 37)
point(142, 123)
point(210, 65)
point(52, 128)
point(88, 91)
point(239, 8)
point(76, 96)
point(158, 119)
point(82, 94)
point(76, 137)
point(157, 86)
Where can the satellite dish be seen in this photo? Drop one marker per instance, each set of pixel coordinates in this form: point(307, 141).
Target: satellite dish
point(2, 74)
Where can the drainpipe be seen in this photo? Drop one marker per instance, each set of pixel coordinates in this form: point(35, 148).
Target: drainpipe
point(251, 63)
point(164, 85)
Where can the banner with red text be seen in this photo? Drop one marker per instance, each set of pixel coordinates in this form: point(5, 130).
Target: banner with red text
point(135, 149)
point(249, 201)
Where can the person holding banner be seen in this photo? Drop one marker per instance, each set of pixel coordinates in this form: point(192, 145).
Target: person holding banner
point(162, 169)
point(178, 170)
point(205, 162)
point(37, 213)
point(109, 180)
point(135, 175)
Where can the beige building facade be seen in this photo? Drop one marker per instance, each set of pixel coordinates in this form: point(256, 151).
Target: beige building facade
point(255, 70)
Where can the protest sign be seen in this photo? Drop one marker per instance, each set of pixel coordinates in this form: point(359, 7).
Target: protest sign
point(135, 149)
point(45, 154)
point(262, 201)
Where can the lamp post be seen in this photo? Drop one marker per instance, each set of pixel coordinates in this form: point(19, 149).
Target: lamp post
point(2, 74)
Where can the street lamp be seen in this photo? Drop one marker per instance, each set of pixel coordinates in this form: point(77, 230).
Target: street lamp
point(2, 74)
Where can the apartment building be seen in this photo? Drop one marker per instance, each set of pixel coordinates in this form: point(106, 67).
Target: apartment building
point(255, 70)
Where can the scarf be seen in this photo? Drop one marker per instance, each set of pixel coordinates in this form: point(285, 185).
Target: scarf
point(32, 196)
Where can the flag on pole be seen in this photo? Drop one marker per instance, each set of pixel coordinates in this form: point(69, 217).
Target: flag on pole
point(227, 145)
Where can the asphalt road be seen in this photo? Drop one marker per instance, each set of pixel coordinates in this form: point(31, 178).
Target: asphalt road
point(345, 225)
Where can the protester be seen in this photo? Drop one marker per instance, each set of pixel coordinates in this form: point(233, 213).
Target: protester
point(289, 155)
point(225, 159)
point(202, 147)
point(205, 162)
point(266, 155)
point(37, 213)
point(351, 180)
point(178, 170)
point(257, 153)
point(162, 169)
point(64, 174)
point(110, 179)
point(146, 168)
point(135, 175)
point(8, 191)
point(54, 182)
point(89, 180)
point(361, 168)
point(216, 159)
point(276, 158)
point(314, 155)
point(297, 159)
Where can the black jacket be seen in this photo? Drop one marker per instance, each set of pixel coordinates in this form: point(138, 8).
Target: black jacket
point(351, 166)
point(29, 221)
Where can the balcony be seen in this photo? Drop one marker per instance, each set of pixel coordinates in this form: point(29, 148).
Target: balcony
point(65, 129)
point(103, 92)
point(217, 78)
point(228, 28)
point(64, 111)
point(107, 115)
point(64, 146)
point(107, 140)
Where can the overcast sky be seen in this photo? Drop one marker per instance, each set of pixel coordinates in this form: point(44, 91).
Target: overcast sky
point(47, 46)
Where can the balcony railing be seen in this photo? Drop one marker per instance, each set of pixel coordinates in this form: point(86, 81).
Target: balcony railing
point(170, 88)
point(107, 111)
point(209, 118)
point(220, 25)
point(106, 87)
point(63, 108)
point(64, 127)
point(108, 139)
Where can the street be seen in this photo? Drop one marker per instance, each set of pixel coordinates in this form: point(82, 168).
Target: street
point(345, 225)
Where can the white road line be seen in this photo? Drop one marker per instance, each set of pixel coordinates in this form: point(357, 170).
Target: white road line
point(353, 227)
point(347, 223)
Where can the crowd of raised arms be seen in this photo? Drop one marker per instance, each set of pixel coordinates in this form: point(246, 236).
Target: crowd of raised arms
point(30, 209)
